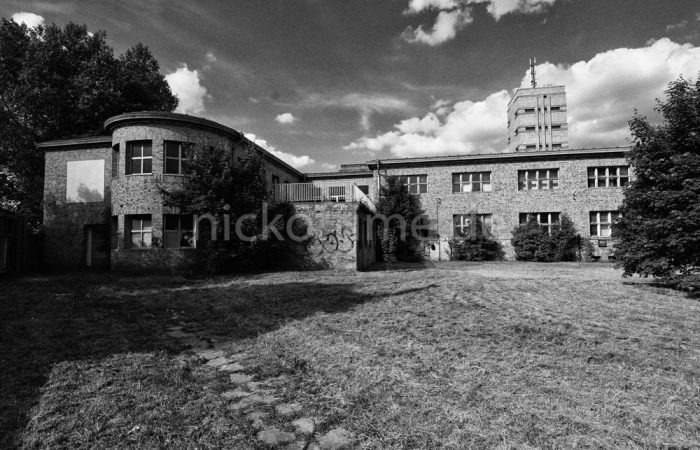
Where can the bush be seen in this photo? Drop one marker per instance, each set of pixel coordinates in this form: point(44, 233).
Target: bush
point(478, 246)
point(533, 242)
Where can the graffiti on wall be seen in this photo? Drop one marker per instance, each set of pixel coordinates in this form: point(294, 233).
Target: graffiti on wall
point(332, 242)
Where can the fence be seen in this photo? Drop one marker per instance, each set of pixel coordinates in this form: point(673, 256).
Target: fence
point(322, 191)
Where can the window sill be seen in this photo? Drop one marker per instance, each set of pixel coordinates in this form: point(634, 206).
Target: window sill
point(537, 190)
point(145, 249)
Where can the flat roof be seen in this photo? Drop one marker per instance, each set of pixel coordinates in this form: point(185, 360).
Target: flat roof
point(187, 120)
point(131, 118)
point(534, 90)
point(340, 174)
point(60, 144)
point(580, 153)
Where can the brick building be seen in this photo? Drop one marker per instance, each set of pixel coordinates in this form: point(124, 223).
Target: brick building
point(103, 207)
point(538, 175)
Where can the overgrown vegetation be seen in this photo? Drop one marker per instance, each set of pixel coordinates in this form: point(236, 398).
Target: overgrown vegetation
point(534, 242)
point(461, 355)
point(659, 231)
point(476, 245)
point(235, 193)
point(402, 211)
point(58, 83)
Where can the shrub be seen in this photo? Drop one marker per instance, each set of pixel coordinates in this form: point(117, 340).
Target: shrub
point(533, 242)
point(478, 246)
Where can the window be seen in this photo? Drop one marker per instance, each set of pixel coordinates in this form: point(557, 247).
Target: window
point(463, 223)
point(275, 179)
point(139, 157)
point(613, 176)
point(336, 193)
point(538, 179)
point(140, 231)
point(471, 182)
point(601, 222)
point(547, 219)
point(115, 161)
point(175, 153)
point(416, 184)
point(178, 231)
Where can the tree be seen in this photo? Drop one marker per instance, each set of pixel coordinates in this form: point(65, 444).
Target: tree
point(659, 231)
point(215, 184)
point(60, 83)
point(396, 201)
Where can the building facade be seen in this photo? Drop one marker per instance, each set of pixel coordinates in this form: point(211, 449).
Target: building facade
point(501, 190)
point(537, 119)
point(103, 205)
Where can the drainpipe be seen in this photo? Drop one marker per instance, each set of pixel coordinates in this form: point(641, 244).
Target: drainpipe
point(437, 224)
point(379, 183)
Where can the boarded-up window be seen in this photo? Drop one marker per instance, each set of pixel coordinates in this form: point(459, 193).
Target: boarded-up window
point(85, 181)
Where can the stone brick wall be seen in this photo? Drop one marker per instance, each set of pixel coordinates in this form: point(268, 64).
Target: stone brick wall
point(140, 194)
point(332, 228)
point(506, 202)
point(64, 223)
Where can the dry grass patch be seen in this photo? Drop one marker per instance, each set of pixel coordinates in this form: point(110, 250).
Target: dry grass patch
point(462, 354)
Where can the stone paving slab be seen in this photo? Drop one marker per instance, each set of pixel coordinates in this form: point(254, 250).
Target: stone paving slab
point(256, 396)
point(209, 354)
point(305, 425)
point(239, 357)
point(336, 439)
point(217, 362)
point(240, 378)
point(288, 409)
point(231, 367)
point(274, 436)
point(235, 394)
point(301, 445)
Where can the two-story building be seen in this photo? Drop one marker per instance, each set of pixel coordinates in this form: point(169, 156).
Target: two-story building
point(103, 204)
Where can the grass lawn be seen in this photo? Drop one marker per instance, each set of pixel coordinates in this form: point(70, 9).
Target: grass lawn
point(509, 355)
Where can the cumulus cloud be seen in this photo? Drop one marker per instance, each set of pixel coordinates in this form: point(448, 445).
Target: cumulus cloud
point(286, 118)
point(187, 85)
point(444, 29)
point(30, 19)
point(293, 160)
point(456, 14)
point(676, 26)
point(470, 127)
point(329, 167)
point(602, 94)
point(365, 104)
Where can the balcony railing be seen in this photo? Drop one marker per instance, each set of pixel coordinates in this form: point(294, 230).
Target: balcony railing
point(322, 191)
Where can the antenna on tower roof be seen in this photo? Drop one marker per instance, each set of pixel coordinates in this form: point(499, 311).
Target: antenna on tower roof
point(533, 81)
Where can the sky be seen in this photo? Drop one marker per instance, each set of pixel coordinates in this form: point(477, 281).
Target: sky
point(325, 82)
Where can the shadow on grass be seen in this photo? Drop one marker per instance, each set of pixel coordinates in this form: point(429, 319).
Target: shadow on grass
point(52, 319)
